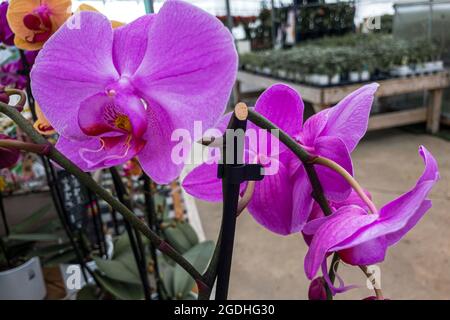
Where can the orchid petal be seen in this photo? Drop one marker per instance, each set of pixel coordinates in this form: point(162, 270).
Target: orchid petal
point(190, 65)
point(86, 73)
point(396, 216)
point(313, 127)
point(203, 183)
point(336, 229)
point(366, 253)
point(92, 154)
point(283, 106)
point(394, 237)
point(271, 204)
point(335, 186)
point(302, 199)
point(71, 149)
point(334, 290)
point(349, 119)
point(130, 44)
point(156, 156)
point(98, 115)
point(112, 152)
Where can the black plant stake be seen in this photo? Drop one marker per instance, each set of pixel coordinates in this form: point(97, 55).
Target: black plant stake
point(135, 239)
point(233, 172)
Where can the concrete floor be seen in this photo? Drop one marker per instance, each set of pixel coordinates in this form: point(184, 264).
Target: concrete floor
point(267, 266)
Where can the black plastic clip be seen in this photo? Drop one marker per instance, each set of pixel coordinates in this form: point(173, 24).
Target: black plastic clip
point(241, 173)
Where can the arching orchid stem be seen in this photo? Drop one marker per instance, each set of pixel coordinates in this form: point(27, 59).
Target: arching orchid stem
point(306, 159)
point(90, 183)
point(348, 177)
point(214, 142)
point(300, 152)
point(26, 146)
point(23, 98)
point(243, 202)
point(376, 285)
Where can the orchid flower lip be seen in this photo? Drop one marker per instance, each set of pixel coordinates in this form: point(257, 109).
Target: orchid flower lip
point(39, 23)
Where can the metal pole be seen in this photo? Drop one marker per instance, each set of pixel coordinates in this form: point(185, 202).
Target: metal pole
point(229, 16)
point(149, 8)
point(272, 16)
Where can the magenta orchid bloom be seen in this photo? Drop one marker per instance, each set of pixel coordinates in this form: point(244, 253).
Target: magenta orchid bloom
point(12, 75)
point(332, 133)
point(6, 34)
point(116, 94)
point(361, 238)
point(8, 157)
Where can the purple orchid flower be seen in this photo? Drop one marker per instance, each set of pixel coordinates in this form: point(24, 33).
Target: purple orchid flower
point(8, 157)
point(363, 239)
point(12, 73)
point(116, 94)
point(6, 35)
point(282, 202)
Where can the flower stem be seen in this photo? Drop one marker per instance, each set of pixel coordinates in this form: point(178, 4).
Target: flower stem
point(245, 199)
point(86, 179)
point(11, 92)
point(376, 286)
point(301, 153)
point(26, 146)
point(348, 177)
point(306, 159)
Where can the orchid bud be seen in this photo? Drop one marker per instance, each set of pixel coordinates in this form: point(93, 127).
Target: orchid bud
point(317, 289)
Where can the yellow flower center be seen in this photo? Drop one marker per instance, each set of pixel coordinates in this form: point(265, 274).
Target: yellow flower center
point(123, 122)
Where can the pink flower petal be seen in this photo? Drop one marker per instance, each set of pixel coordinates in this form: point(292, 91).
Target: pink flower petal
point(74, 64)
point(156, 157)
point(190, 65)
point(203, 183)
point(130, 44)
point(302, 200)
point(71, 149)
point(366, 253)
point(394, 237)
point(271, 204)
point(349, 119)
point(113, 151)
point(400, 215)
point(335, 186)
point(313, 127)
point(283, 106)
point(97, 114)
point(338, 227)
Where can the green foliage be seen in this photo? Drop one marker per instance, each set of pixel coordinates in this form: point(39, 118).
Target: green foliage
point(343, 54)
point(176, 238)
point(26, 241)
point(31, 221)
point(88, 292)
point(199, 256)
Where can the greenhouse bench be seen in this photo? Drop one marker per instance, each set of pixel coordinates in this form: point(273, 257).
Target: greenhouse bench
point(323, 97)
